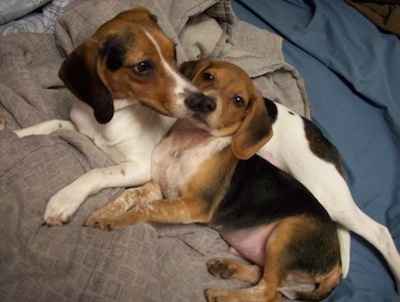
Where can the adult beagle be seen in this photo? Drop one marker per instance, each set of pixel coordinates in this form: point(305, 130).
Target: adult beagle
point(266, 215)
point(122, 72)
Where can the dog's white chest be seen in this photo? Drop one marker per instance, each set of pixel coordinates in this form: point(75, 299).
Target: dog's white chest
point(122, 138)
point(180, 155)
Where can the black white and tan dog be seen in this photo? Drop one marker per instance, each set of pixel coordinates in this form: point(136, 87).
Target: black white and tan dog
point(263, 213)
point(298, 147)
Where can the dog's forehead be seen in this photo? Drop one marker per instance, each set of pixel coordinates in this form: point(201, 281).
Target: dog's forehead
point(132, 24)
point(231, 77)
point(233, 71)
point(129, 43)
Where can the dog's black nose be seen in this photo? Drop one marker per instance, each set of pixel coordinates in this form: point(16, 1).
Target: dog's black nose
point(200, 103)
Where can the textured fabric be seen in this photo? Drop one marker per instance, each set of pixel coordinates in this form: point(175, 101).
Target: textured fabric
point(40, 20)
point(12, 9)
point(71, 263)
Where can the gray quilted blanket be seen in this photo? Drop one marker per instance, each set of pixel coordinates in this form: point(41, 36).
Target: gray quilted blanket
point(139, 263)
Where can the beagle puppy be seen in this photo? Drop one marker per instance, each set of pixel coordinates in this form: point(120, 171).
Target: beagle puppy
point(263, 213)
point(298, 147)
point(122, 72)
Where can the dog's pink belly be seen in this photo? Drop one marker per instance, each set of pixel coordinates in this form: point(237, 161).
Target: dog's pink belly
point(250, 243)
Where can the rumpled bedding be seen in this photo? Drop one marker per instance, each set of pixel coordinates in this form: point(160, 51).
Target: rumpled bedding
point(39, 16)
point(351, 71)
point(142, 262)
point(13, 9)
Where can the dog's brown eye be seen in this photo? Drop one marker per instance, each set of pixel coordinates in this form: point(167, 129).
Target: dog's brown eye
point(143, 68)
point(238, 101)
point(208, 77)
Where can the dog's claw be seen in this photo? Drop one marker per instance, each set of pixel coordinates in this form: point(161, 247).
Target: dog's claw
point(99, 223)
point(56, 221)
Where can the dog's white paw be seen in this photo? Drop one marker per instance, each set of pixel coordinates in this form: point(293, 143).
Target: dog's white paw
point(61, 207)
point(2, 123)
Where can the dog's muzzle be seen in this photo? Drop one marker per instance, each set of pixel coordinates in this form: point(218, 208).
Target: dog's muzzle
point(200, 103)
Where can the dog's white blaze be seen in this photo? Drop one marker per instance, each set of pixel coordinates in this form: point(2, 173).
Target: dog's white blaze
point(183, 85)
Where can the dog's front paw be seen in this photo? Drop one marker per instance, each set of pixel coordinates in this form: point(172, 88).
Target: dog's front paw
point(61, 207)
point(101, 223)
point(218, 295)
point(221, 268)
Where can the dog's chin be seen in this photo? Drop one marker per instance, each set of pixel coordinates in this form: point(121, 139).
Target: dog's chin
point(222, 132)
point(201, 122)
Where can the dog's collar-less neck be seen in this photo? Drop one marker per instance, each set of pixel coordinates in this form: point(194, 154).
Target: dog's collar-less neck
point(202, 125)
point(125, 102)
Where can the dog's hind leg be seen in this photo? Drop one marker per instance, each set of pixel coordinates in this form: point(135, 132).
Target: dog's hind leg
point(45, 128)
point(376, 234)
point(273, 274)
point(336, 197)
point(345, 243)
point(343, 210)
point(290, 269)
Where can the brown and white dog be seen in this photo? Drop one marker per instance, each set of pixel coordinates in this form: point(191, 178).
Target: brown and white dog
point(266, 215)
point(127, 68)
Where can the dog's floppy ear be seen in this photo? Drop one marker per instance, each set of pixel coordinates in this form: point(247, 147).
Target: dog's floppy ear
point(255, 130)
point(191, 69)
point(79, 73)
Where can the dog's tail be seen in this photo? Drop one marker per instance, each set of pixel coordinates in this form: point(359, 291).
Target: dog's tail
point(316, 290)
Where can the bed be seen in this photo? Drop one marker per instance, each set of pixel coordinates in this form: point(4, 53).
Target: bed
point(324, 59)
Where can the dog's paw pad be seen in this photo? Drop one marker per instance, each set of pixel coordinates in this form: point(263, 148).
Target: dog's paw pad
point(101, 224)
point(220, 268)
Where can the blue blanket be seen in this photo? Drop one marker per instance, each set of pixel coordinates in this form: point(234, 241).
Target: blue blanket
point(351, 71)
